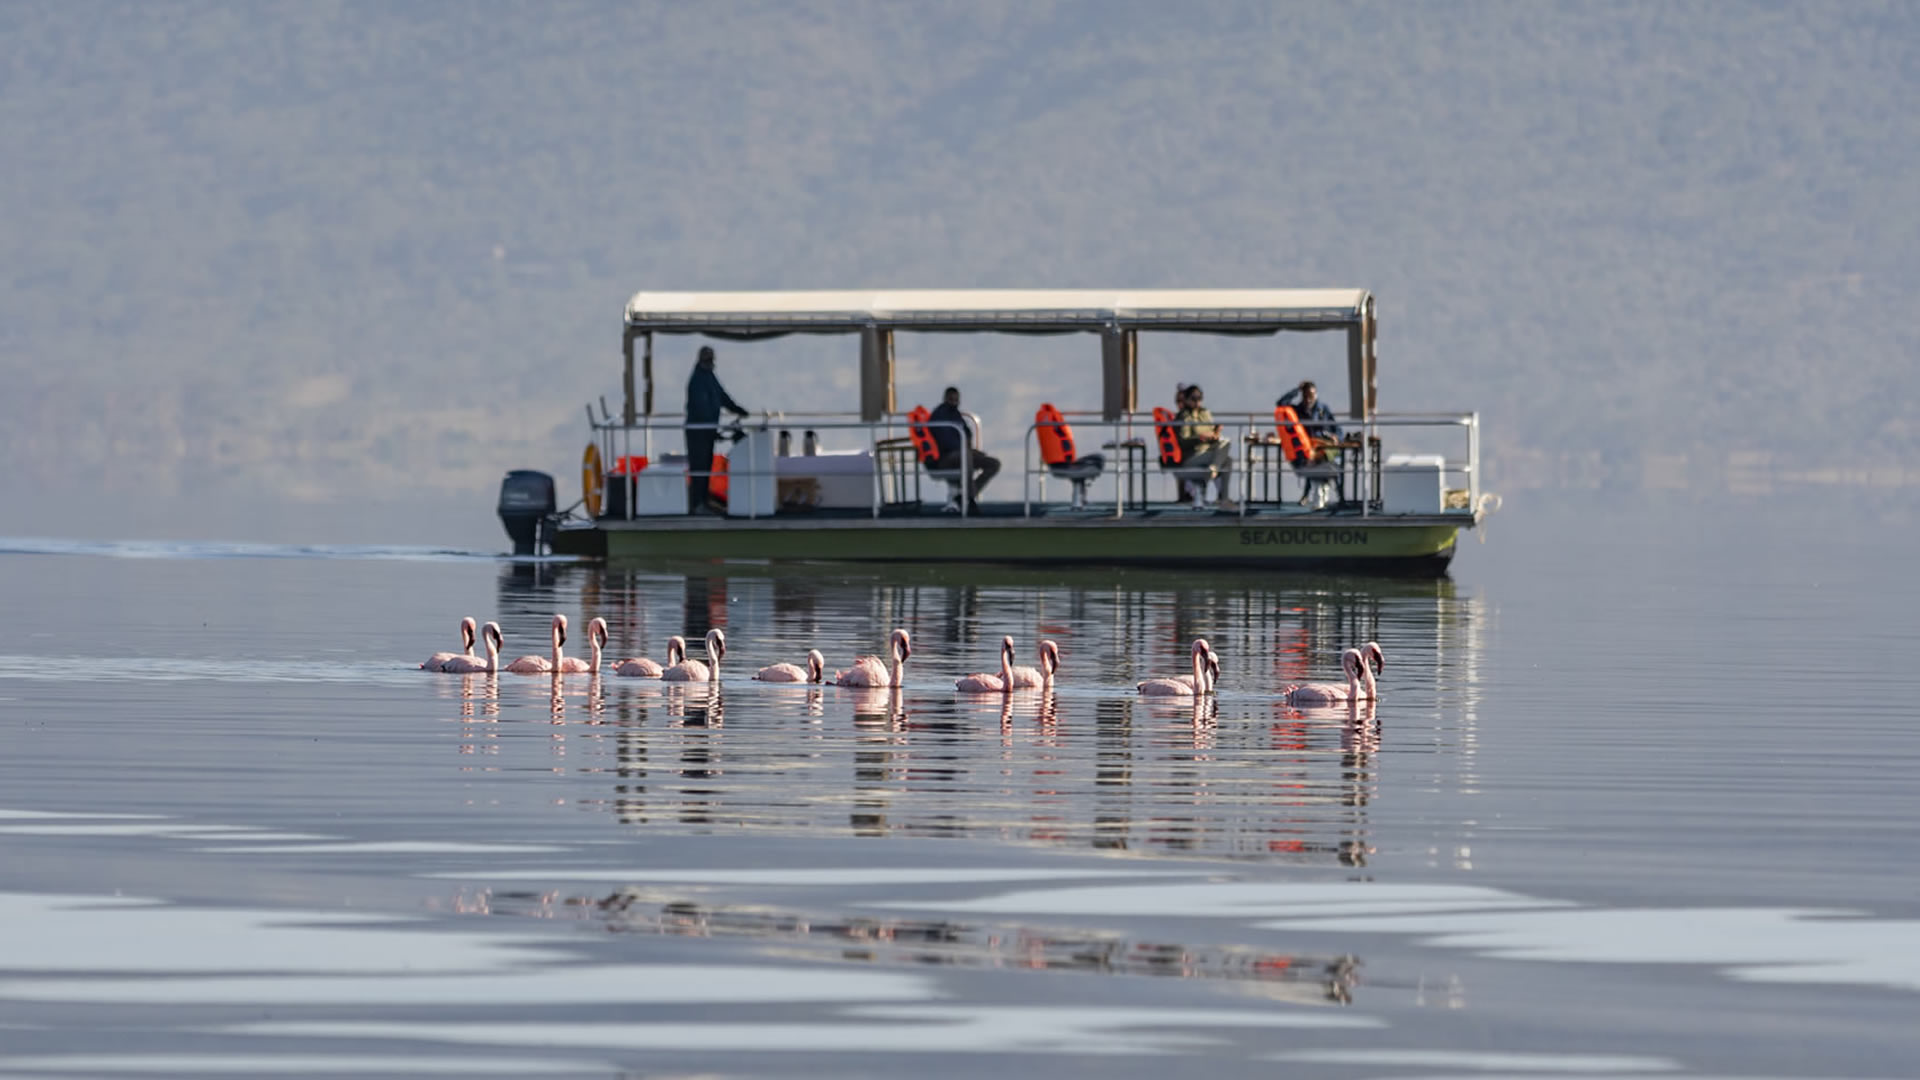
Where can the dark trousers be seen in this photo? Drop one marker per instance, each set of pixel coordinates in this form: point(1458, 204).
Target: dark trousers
point(699, 460)
point(985, 468)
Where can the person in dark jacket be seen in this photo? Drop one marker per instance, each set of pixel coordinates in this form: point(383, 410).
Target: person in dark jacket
point(1321, 428)
point(705, 398)
point(1314, 414)
point(947, 440)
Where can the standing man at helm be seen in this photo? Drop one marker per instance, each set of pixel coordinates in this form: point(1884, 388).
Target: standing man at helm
point(705, 398)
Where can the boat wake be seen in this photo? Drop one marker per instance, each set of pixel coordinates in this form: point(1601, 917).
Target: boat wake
point(214, 549)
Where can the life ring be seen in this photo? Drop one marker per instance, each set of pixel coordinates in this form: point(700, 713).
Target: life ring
point(593, 479)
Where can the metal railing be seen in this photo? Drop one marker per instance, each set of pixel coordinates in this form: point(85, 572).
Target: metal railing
point(896, 462)
point(1131, 440)
point(1135, 434)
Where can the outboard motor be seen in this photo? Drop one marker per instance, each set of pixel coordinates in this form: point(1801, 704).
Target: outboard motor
point(526, 506)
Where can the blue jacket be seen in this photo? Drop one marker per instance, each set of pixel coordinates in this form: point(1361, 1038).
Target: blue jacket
point(1318, 420)
point(946, 438)
point(706, 397)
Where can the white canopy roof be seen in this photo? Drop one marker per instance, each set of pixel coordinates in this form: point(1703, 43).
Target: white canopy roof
point(1016, 310)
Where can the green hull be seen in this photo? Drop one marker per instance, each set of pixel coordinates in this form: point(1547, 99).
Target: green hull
point(1398, 547)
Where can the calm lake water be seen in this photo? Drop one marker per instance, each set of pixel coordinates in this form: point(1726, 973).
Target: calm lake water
point(1639, 798)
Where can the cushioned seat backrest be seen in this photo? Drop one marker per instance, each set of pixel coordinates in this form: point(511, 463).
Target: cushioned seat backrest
point(1169, 440)
point(923, 443)
point(1295, 443)
point(1056, 437)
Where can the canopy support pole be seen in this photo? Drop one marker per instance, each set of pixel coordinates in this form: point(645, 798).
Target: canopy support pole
point(1119, 372)
point(626, 374)
point(876, 373)
point(1362, 388)
point(648, 372)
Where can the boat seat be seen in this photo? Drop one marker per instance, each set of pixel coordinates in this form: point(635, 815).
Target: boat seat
point(929, 454)
point(1318, 471)
point(1193, 478)
point(1057, 450)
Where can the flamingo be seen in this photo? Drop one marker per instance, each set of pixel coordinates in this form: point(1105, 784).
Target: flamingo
point(694, 670)
point(1375, 657)
point(540, 665)
point(438, 661)
point(981, 683)
point(1026, 678)
point(872, 671)
point(1360, 684)
point(467, 665)
point(1206, 668)
point(596, 641)
point(815, 671)
point(640, 667)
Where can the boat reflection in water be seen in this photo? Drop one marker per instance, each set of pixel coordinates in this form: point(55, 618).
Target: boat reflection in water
point(1090, 764)
point(911, 942)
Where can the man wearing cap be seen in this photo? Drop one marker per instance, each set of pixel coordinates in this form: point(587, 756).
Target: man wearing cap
point(1202, 447)
point(705, 398)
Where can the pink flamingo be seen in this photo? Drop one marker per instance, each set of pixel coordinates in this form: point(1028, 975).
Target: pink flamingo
point(640, 667)
point(872, 671)
point(981, 683)
point(467, 665)
point(694, 670)
point(438, 661)
point(815, 671)
point(540, 665)
point(1206, 669)
point(1360, 684)
point(1375, 657)
point(1026, 678)
point(596, 641)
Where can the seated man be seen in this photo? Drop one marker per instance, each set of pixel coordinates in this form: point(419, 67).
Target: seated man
point(1314, 415)
point(1202, 447)
point(1321, 428)
point(947, 439)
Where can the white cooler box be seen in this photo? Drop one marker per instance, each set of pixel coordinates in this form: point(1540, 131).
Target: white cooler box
point(661, 487)
point(1413, 484)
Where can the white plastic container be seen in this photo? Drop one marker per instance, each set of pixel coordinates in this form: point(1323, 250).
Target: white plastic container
point(1412, 484)
point(661, 488)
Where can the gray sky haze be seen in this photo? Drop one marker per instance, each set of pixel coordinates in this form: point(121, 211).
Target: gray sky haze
point(315, 254)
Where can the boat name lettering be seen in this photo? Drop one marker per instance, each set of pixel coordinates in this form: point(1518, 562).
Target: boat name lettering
point(1261, 537)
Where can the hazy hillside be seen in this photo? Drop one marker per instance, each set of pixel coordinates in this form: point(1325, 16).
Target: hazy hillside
point(333, 250)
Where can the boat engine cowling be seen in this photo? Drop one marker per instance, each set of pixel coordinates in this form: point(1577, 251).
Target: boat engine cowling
point(526, 509)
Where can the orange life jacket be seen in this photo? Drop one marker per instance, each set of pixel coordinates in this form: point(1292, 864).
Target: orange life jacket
point(923, 443)
point(632, 463)
point(1294, 440)
point(1056, 438)
point(1163, 429)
